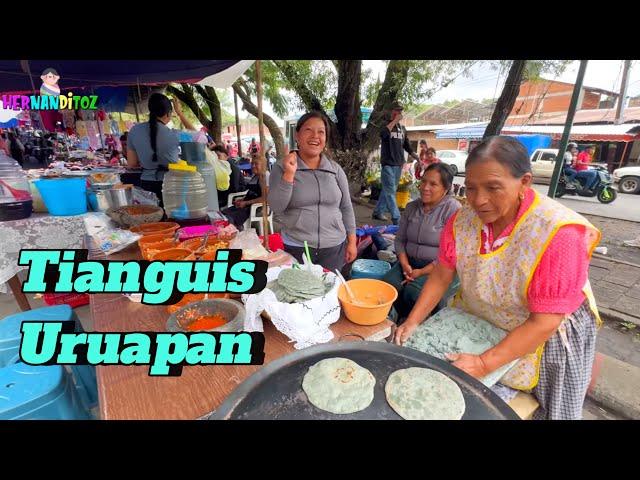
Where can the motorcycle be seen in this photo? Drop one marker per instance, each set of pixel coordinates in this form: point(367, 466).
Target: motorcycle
point(603, 189)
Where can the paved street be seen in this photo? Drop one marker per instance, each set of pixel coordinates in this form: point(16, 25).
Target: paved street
point(625, 207)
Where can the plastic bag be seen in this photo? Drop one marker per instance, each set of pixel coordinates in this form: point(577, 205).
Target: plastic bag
point(200, 136)
point(106, 238)
point(142, 197)
point(250, 245)
point(222, 169)
point(317, 270)
point(280, 259)
point(113, 240)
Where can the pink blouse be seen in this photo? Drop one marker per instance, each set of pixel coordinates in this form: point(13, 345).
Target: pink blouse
point(556, 286)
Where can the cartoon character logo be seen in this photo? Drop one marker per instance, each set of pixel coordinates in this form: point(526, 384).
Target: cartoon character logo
point(50, 82)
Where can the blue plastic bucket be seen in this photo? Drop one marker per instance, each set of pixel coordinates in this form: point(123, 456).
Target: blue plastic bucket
point(364, 268)
point(64, 196)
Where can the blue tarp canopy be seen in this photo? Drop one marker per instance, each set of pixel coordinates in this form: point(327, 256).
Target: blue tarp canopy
point(474, 131)
point(94, 73)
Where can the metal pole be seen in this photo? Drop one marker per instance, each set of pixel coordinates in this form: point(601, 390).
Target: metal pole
point(567, 128)
point(624, 152)
point(263, 162)
point(27, 67)
point(98, 124)
point(235, 104)
point(135, 106)
point(623, 93)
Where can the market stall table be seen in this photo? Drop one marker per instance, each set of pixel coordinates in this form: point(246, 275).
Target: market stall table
point(128, 392)
point(41, 230)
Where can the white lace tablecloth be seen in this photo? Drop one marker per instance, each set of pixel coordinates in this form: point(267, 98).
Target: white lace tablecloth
point(37, 231)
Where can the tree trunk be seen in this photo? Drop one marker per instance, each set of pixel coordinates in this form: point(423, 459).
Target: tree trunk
point(394, 81)
point(507, 99)
point(347, 107)
point(269, 122)
point(211, 98)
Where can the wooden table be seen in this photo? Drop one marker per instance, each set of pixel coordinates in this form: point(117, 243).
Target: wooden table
point(128, 392)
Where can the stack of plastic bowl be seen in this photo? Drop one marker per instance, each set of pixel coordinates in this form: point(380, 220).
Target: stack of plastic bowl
point(16, 201)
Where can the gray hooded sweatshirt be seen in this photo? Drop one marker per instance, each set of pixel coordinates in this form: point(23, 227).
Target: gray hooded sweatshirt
point(316, 207)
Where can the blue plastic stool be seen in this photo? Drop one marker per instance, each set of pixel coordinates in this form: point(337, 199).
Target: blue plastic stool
point(39, 393)
point(10, 335)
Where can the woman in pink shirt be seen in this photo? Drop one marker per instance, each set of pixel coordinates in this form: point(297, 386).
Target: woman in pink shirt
point(427, 157)
point(523, 261)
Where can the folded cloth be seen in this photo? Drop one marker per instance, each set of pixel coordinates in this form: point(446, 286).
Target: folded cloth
point(305, 323)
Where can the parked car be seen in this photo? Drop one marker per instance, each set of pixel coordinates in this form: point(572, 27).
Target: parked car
point(455, 159)
point(628, 179)
point(543, 161)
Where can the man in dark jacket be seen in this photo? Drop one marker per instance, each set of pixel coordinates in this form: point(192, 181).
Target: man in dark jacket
point(394, 143)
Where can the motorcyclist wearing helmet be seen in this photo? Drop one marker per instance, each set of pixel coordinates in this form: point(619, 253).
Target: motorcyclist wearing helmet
point(569, 155)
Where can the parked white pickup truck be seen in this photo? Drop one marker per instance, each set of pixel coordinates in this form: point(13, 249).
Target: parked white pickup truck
point(543, 162)
point(628, 179)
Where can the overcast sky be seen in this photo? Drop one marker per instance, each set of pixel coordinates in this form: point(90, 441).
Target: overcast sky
point(487, 83)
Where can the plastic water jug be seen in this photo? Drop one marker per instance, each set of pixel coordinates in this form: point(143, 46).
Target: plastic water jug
point(184, 192)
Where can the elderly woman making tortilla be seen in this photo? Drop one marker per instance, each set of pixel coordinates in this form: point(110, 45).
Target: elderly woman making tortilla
point(309, 196)
point(523, 261)
point(418, 237)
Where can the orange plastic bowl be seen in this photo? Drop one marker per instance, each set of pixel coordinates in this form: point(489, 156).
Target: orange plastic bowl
point(158, 242)
point(209, 256)
point(195, 243)
point(377, 297)
point(155, 228)
point(174, 254)
point(193, 297)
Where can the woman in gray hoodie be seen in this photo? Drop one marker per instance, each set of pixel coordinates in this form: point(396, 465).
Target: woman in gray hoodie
point(418, 238)
point(309, 196)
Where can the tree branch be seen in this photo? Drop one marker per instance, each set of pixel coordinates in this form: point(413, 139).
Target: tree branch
point(310, 101)
point(394, 81)
point(187, 97)
point(269, 122)
point(507, 99)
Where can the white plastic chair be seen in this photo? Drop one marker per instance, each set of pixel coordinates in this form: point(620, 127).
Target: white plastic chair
point(253, 213)
point(233, 196)
point(255, 218)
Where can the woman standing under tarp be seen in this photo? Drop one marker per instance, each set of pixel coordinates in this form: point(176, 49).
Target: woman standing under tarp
point(153, 146)
point(309, 196)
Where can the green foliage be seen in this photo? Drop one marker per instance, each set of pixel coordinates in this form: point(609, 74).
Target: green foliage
point(319, 75)
point(369, 87)
point(535, 69)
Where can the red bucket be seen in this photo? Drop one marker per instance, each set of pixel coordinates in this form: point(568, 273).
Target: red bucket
point(275, 242)
point(72, 299)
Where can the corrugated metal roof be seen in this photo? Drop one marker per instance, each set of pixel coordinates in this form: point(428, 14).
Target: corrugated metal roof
point(472, 132)
point(625, 132)
point(578, 129)
point(600, 115)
